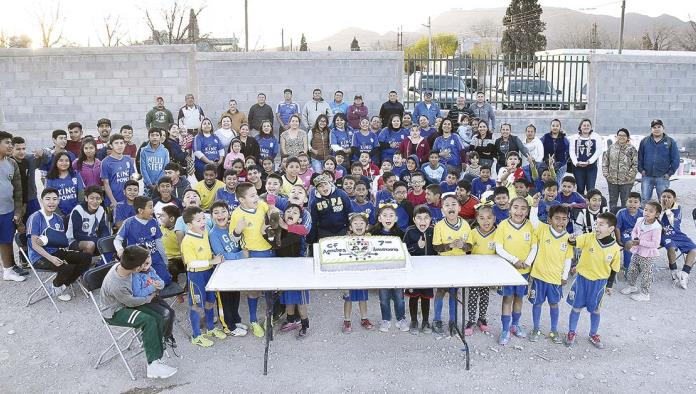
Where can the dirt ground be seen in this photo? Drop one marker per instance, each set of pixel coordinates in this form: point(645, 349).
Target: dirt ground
point(650, 348)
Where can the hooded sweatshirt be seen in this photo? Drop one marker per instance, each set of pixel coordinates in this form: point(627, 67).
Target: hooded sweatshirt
point(152, 162)
point(330, 213)
point(159, 117)
point(311, 111)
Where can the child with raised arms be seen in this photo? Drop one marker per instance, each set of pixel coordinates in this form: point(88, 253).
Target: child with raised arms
point(482, 242)
point(419, 242)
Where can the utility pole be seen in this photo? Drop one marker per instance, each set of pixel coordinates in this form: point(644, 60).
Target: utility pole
point(430, 39)
point(593, 36)
point(246, 26)
point(282, 39)
point(623, 13)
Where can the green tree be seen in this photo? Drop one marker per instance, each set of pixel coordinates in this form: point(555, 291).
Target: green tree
point(354, 46)
point(443, 45)
point(303, 44)
point(524, 30)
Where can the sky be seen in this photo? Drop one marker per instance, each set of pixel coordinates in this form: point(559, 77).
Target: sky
point(82, 20)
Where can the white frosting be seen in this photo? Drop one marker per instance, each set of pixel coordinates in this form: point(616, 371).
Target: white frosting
point(352, 253)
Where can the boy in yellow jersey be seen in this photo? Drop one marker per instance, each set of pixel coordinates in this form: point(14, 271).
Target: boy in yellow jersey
point(199, 261)
point(482, 241)
point(290, 178)
point(247, 224)
point(209, 186)
point(167, 219)
point(551, 266)
point(599, 262)
point(515, 241)
point(449, 239)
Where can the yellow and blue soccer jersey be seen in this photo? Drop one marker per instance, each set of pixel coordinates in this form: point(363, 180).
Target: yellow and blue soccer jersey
point(551, 255)
point(482, 243)
point(171, 246)
point(252, 237)
point(516, 239)
point(195, 247)
point(208, 193)
point(597, 261)
point(445, 233)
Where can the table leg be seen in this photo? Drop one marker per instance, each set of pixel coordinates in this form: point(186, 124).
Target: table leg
point(270, 300)
point(461, 335)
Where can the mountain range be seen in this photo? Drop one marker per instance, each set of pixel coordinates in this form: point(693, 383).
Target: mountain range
point(564, 28)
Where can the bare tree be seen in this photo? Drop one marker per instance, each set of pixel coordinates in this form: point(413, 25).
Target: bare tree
point(176, 24)
point(113, 34)
point(661, 38)
point(51, 25)
point(688, 37)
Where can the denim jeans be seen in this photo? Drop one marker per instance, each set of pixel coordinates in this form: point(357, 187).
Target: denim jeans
point(317, 165)
point(585, 178)
point(648, 183)
point(385, 296)
point(618, 191)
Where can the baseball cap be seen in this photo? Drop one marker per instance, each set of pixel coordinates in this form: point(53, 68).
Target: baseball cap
point(103, 121)
point(656, 122)
point(321, 179)
point(428, 93)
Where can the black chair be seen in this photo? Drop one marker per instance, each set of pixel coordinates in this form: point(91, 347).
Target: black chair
point(106, 249)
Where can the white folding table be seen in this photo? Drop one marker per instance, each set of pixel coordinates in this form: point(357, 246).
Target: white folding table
point(276, 274)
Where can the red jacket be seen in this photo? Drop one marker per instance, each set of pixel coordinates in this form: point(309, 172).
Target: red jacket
point(355, 115)
point(422, 150)
point(468, 209)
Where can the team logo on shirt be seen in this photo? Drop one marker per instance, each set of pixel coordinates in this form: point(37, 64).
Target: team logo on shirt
point(85, 226)
point(610, 257)
point(527, 236)
point(509, 237)
point(74, 181)
point(56, 226)
point(491, 246)
point(153, 231)
point(564, 247)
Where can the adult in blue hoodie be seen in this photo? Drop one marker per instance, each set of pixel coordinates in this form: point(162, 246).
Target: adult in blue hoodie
point(329, 207)
point(153, 157)
point(428, 108)
point(658, 159)
point(390, 137)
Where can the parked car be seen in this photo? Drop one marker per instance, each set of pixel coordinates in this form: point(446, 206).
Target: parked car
point(445, 88)
point(532, 93)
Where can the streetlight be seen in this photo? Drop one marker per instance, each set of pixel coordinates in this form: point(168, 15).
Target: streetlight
point(430, 38)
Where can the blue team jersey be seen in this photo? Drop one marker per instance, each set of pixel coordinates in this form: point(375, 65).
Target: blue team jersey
point(450, 144)
point(229, 198)
point(500, 214)
point(365, 143)
point(435, 214)
point(383, 196)
point(210, 146)
point(145, 235)
point(223, 244)
point(543, 211)
point(68, 189)
point(447, 188)
point(669, 230)
point(36, 225)
point(478, 187)
point(368, 208)
point(388, 136)
point(48, 163)
point(425, 133)
point(402, 218)
point(342, 138)
point(123, 211)
point(117, 172)
point(269, 147)
point(285, 110)
point(625, 222)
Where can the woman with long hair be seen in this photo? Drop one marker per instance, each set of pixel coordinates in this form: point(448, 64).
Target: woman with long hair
point(319, 142)
point(67, 181)
point(585, 150)
point(87, 164)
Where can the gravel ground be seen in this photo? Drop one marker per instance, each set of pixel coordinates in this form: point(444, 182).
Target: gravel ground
point(649, 348)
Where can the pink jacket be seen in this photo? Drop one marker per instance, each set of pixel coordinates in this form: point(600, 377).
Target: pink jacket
point(649, 238)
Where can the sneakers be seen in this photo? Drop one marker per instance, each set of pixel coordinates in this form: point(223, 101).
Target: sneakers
point(425, 328)
point(237, 332)
point(20, 270)
point(518, 331)
point(437, 327)
point(483, 325)
point(629, 290)
point(452, 328)
point(59, 292)
point(242, 326)
point(414, 327)
point(570, 339)
point(504, 338)
point(257, 330)
point(202, 341)
point(555, 337)
point(402, 325)
point(682, 279)
point(290, 326)
point(9, 274)
point(367, 324)
point(302, 334)
point(596, 341)
point(640, 297)
point(384, 326)
point(469, 329)
point(675, 274)
point(216, 332)
point(535, 335)
point(347, 329)
point(159, 370)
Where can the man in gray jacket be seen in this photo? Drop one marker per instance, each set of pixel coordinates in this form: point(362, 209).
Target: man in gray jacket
point(312, 110)
point(483, 110)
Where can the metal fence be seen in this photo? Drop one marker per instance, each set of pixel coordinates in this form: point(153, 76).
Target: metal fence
point(556, 82)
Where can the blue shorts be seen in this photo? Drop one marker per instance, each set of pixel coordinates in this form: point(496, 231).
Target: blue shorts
point(262, 253)
point(587, 293)
point(294, 297)
point(197, 293)
point(7, 228)
point(519, 290)
point(678, 241)
point(540, 291)
point(355, 295)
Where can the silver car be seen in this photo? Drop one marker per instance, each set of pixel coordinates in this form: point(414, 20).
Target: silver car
point(531, 93)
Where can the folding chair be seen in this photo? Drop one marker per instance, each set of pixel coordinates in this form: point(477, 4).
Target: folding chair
point(106, 249)
point(22, 243)
point(91, 281)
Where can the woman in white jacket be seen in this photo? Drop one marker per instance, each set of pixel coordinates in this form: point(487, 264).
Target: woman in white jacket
point(585, 149)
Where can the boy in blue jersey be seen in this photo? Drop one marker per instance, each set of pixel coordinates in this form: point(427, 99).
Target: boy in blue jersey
point(432, 200)
point(550, 192)
point(47, 156)
point(385, 194)
point(570, 198)
point(124, 209)
point(404, 209)
point(398, 163)
point(362, 204)
point(599, 262)
point(482, 183)
point(434, 171)
point(449, 185)
point(191, 198)
point(116, 170)
point(87, 222)
point(68, 264)
point(226, 246)
point(674, 238)
point(227, 193)
point(625, 221)
point(153, 157)
point(143, 229)
point(501, 209)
